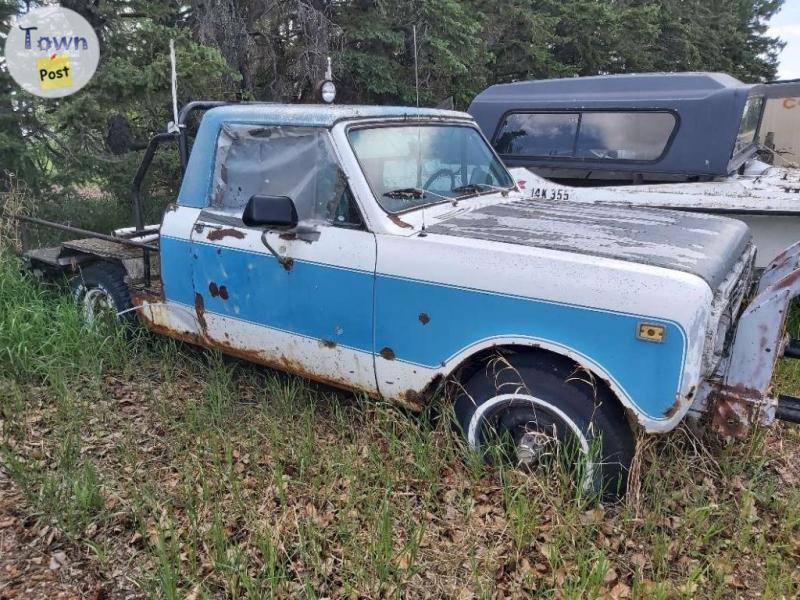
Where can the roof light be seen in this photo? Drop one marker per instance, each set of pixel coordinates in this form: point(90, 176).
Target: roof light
point(328, 91)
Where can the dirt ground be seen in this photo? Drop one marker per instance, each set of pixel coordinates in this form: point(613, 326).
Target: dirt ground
point(35, 562)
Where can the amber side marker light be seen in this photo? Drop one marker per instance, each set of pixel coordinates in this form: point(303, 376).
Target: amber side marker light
point(650, 332)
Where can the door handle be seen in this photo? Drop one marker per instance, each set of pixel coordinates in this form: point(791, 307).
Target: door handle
point(286, 262)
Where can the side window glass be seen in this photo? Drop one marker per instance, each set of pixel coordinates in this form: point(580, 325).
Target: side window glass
point(537, 134)
point(298, 162)
point(344, 211)
point(624, 135)
point(748, 126)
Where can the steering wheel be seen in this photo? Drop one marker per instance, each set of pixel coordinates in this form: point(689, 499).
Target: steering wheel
point(437, 175)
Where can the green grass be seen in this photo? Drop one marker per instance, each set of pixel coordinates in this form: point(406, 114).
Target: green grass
point(196, 474)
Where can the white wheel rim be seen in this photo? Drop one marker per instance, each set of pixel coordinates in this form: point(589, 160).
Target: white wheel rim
point(95, 301)
point(492, 403)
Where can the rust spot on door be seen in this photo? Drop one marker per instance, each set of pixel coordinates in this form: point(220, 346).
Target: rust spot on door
point(218, 290)
point(221, 234)
point(424, 318)
point(327, 343)
point(387, 353)
point(200, 309)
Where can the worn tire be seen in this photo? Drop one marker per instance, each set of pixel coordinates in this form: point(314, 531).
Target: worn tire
point(537, 400)
point(106, 282)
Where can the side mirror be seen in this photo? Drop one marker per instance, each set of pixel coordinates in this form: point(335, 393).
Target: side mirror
point(276, 211)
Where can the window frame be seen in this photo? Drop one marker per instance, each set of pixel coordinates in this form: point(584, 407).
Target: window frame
point(361, 225)
point(436, 123)
point(735, 154)
point(580, 112)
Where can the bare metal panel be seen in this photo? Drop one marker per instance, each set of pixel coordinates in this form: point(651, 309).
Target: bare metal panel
point(700, 244)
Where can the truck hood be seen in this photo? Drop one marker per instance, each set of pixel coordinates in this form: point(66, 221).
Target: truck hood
point(695, 243)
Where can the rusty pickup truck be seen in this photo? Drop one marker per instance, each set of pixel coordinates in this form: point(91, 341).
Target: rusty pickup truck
point(387, 250)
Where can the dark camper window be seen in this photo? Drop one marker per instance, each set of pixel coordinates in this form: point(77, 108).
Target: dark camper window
point(597, 135)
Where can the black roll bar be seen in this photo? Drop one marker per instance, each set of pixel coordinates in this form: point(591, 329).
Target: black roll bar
point(183, 137)
point(136, 184)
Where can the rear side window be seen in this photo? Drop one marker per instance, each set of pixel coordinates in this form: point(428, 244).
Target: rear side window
point(538, 134)
point(624, 135)
point(596, 135)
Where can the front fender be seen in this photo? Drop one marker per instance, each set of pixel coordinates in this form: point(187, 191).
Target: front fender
point(740, 393)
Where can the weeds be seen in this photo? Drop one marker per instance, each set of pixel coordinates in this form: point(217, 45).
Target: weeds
point(201, 476)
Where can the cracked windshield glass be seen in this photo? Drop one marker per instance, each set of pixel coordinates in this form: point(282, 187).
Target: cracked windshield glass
point(409, 166)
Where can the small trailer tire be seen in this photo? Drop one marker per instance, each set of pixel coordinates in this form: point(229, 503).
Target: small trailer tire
point(541, 406)
point(101, 286)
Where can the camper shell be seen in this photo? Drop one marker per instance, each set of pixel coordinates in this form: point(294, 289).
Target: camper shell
point(637, 127)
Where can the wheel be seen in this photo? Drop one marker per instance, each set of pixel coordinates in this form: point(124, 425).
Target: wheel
point(536, 409)
point(102, 294)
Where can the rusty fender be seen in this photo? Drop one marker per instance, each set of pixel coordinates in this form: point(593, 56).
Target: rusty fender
point(740, 394)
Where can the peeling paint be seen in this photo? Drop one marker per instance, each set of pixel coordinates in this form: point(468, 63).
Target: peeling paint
point(158, 319)
point(736, 410)
point(221, 234)
point(673, 410)
point(200, 310)
point(693, 243)
point(424, 318)
point(387, 353)
point(399, 222)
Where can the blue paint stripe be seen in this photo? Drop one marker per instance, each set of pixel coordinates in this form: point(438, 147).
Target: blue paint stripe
point(458, 318)
point(302, 302)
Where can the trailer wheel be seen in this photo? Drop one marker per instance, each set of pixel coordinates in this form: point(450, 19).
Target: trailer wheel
point(102, 294)
point(536, 411)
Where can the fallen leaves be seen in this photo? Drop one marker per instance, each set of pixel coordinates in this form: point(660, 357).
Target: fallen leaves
point(290, 491)
point(57, 559)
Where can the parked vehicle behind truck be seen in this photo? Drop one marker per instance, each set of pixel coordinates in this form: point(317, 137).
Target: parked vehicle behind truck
point(388, 251)
point(685, 141)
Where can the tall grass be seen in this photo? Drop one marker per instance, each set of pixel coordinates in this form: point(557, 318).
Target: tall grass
point(43, 336)
point(198, 475)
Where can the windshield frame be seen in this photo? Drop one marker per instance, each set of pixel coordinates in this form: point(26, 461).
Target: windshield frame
point(436, 199)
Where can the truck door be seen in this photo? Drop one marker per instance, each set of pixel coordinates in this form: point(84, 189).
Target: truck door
point(311, 310)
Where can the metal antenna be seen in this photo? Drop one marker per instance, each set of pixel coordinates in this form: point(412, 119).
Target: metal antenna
point(173, 127)
point(416, 66)
point(419, 148)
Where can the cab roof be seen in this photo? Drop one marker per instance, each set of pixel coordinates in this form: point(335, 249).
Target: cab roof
point(197, 178)
point(320, 115)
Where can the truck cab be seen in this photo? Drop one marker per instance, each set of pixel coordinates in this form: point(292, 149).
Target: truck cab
point(388, 251)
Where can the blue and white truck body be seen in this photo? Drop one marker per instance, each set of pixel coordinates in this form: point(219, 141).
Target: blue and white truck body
point(407, 256)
